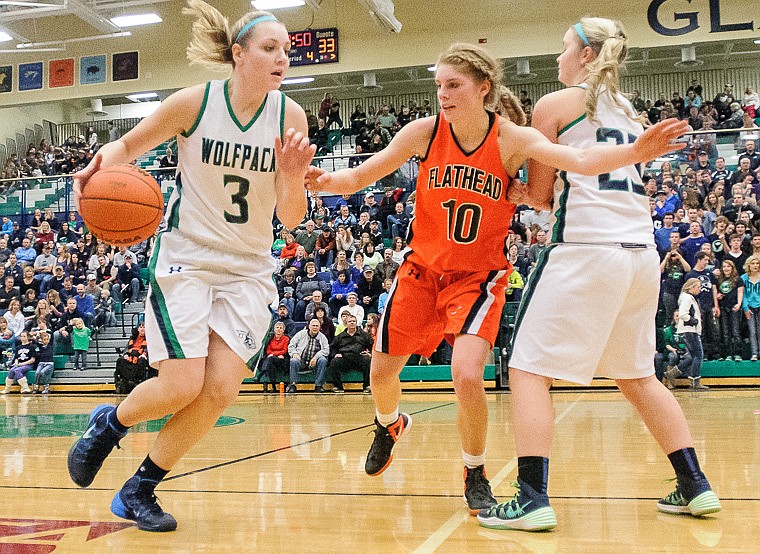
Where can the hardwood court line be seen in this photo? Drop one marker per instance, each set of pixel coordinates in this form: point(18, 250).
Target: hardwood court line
point(438, 537)
point(288, 447)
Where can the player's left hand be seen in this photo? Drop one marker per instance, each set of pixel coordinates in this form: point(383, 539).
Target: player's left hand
point(294, 152)
point(658, 140)
point(313, 181)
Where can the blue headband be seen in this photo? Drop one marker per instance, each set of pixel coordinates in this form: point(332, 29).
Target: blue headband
point(579, 31)
point(247, 27)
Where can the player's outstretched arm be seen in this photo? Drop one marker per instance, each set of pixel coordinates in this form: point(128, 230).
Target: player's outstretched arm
point(410, 141)
point(656, 141)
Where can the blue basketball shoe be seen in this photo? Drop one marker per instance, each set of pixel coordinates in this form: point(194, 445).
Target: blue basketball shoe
point(137, 501)
point(89, 452)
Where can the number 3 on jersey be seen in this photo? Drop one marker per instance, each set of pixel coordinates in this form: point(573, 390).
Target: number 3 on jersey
point(238, 198)
point(464, 221)
point(605, 134)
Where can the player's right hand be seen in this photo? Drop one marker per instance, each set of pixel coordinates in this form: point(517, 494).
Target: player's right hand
point(81, 177)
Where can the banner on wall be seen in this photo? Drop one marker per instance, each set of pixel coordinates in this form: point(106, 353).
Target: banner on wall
point(6, 78)
point(61, 73)
point(92, 70)
point(125, 66)
point(30, 76)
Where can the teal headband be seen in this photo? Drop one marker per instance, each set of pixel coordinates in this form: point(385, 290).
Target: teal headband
point(253, 22)
point(580, 33)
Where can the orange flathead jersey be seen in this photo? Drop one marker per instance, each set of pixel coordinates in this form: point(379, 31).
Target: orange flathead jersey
point(462, 215)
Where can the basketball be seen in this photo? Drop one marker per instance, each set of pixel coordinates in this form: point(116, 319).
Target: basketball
point(122, 204)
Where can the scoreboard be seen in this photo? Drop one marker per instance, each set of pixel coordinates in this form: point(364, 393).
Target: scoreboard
point(313, 46)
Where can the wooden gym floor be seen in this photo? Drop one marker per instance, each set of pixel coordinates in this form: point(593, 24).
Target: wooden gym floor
point(286, 474)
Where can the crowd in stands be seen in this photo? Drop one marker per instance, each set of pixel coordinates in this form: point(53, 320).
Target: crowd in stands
point(59, 285)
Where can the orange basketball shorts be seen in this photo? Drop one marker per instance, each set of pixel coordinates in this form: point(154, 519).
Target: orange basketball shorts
point(425, 306)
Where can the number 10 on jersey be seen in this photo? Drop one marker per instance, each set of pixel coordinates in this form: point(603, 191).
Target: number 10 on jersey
point(463, 221)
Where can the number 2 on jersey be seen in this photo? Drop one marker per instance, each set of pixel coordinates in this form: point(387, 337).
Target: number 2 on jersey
point(464, 221)
point(238, 198)
point(604, 134)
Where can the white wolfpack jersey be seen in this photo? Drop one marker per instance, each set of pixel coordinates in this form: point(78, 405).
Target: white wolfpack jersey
point(611, 208)
point(225, 194)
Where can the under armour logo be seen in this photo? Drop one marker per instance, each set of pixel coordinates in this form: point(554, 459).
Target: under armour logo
point(414, 273)
point(172, 269)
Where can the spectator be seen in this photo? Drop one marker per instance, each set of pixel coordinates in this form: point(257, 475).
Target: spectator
point(730, 296)
point(735, 118)
point(387, 204)
point(350, 350)
point(127, 282)
point(372, 258)
point(298, 262)
point(398, 221)
point(315, 304)
point(5, 252)
point(662, 235)
point(735, 253)
point(707, 300)
point(308, 238)
point(387, 268)
point(276, 359)
point(29, 305)
point(14, 317)
point(382, 300)
point(372, 326)
point(673, 355)
point(85, 305)
point(170, 160)
point(286, 289)
point(344, 240)
point(751, 103)
point(689, 328)
point(45, 367)
point(80, 341)
point(59, 278)
point(722, 103)
point(43, 267)
point(341, 287)
point(326, 325)
point(693, 242)
point(673, 269)
point(23, 362)
point(104, 315)
point(341, 264)
point(386, 119)
point(325, 248)
point(375, 232)
point(121, 255)
point(352, 307)
point(535, 250)
point(313, 124)
point(718, 239)
point(358, 120)
point(333, 115)
point(369, 289)
point(290, 247)
point(8, 293)
point(305, 288)
point(7, 228)
point(13, 268)
point(752, 154)
point(318, 207)
point(308, 350)
point(721, 173)
point(399, 249)
point(26, 254)
point(751, 303)
point(370, 206)
point(344, 217)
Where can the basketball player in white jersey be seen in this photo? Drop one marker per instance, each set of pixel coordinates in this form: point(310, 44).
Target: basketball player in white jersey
point(595, 326)
point(210, 273)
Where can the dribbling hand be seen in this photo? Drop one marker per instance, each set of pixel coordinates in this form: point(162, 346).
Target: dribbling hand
point(658, 140)
point(81, 177)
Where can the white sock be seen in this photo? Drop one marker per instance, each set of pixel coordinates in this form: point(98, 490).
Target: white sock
point(471, 461)
point(387, 419)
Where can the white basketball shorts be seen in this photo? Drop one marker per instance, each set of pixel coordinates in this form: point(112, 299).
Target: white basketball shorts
point(195, 290)
point(589, 310)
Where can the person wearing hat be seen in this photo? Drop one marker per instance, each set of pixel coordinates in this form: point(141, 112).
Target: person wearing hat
point(14, 241)
point(283, 316)
point(324, 250)
point(703, 161)
point(91, 287)
point(369, 288)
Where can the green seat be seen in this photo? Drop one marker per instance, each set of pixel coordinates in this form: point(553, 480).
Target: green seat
point(59, 361)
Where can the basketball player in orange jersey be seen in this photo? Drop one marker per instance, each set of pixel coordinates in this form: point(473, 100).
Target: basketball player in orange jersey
point(211, 285)
point(452, 281)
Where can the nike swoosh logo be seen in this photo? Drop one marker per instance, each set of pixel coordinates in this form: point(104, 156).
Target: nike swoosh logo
point(88, 432)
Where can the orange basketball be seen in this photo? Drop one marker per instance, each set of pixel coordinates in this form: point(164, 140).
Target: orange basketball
point(122, 204)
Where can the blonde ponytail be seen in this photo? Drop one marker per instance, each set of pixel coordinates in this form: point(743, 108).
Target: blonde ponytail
point(211, 43)
point(481, 66)
point(608, 40)
point(212, 37)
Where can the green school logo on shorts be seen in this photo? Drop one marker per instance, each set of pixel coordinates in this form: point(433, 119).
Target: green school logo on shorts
point(73, 425)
